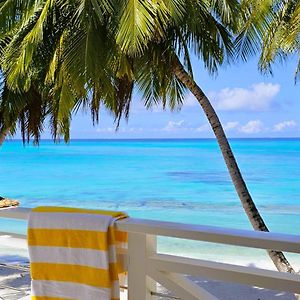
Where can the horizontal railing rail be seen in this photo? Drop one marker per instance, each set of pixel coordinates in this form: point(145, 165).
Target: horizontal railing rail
point(146, 266)
point(213, 234)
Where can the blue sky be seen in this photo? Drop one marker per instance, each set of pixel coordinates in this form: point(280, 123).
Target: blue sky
point(248, 103)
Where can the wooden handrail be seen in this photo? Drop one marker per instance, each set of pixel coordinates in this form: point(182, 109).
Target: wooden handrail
point(213, 234)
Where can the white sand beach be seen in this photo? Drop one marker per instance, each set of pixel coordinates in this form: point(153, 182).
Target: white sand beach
point(14, 283)
point(13, 253)
point(13, 268)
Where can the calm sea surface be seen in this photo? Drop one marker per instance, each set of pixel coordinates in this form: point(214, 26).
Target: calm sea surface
point(172, 180)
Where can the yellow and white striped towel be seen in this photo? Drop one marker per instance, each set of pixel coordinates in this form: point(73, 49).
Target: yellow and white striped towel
point(73, 253)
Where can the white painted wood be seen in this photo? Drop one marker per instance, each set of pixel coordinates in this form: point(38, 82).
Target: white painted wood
point(181, 286)
point(227, 272)
point(140, 247)
point(143, 259)
point(15, 213)
point(247, 238)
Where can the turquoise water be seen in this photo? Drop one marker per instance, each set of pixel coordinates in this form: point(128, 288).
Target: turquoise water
point(173, 180)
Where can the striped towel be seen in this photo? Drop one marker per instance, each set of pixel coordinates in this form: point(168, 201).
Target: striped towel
point(73, 253)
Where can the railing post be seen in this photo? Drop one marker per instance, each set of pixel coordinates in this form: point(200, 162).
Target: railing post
point(140, 247)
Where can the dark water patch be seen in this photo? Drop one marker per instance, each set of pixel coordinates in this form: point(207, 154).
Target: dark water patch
point(214, 178)
point(220, 178)
point(162, 204)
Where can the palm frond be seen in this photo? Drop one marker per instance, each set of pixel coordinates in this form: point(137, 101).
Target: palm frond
point(254, 22)
point(227, 11)
point(15, 60)
point(137, 25)
point(207, 37)
point(13, 13)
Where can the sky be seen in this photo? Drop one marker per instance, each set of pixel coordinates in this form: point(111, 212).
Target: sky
point(249, 104)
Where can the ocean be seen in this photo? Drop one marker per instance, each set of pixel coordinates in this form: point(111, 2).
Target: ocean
point(179, 180)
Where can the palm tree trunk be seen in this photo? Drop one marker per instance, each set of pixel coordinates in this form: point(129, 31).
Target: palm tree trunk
point(249, 206)
point(3, 133)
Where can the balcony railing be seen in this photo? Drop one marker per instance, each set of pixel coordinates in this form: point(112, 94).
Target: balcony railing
point(147, 267)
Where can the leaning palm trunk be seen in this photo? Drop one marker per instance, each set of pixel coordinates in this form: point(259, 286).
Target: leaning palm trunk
point(249, 206)
point(3, 135)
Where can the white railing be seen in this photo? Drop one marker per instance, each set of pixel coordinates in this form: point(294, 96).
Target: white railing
point(146, 266)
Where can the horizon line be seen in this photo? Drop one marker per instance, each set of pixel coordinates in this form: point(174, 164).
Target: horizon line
point(161, 138)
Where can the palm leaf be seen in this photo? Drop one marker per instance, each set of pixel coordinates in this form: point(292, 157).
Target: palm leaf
point(137, 25)
point(254, 22)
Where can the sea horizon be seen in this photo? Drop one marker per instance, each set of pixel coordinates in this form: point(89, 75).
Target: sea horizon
point(179, 180)
point(158, 139)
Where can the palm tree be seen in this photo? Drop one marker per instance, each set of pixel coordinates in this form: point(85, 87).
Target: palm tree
point(86, 53)
point(37, 59)
point(27, 109)
point(283, 36)
point(3, 135)
point(272, 29)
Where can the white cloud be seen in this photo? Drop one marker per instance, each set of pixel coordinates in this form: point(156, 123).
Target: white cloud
point(131, 129)
point(122, 130)
point(254, 126)
point(283, 125)
point(203, 128)
point(107, 129)
point(231, 125)
point(173, 126)
point(258, 97)
point(184, 126)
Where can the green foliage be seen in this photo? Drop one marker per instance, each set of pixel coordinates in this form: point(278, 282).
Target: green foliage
point(61, 56)
point(283, 35)
point(271, 28)
point(58, 56)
